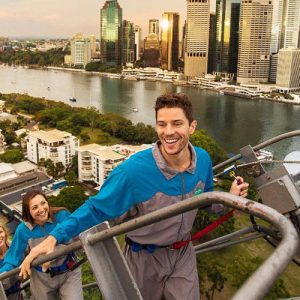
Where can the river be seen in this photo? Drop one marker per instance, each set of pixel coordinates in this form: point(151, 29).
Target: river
point(234, 122)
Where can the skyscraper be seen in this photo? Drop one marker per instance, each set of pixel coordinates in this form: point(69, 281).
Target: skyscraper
point(197, 38)
point(276, 26)
point(110, 31)
point(211, 65)
point(170, 41)
point(151, 51)
point(80, 50)
point(227, 38)
point(127, 42)
point(137, 42)
point(254, 41)
point(288, 71)
point(290, 24)
point(154, 26)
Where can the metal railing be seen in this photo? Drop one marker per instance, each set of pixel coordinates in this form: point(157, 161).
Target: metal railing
point(256, 286)
point(258, 147)
point(260, 282)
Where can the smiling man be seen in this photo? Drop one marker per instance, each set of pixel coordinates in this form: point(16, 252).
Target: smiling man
point(172, 171)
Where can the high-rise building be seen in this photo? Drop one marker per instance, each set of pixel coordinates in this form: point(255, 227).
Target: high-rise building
point(197, 38)
point(183, 44)
point(273, 67)
point(288, 71)
point(151, 51)
point(80, 50)
point(170, 41)
point(127, 42)
point(93, 45)
point(227, 35)
point(110, 31)
point(211, 66)
point(137, 42)
point(290, 24)
point(154, 26)
point(254, 41)
point(276, 26)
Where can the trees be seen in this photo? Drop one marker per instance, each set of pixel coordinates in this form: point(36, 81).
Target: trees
point(201, 139)
point(12, 156)
point(70, 198)
point(53, 169)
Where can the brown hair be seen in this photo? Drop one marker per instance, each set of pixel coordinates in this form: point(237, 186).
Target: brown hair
point(25, 206)
point(171, 100)
point(5, 229)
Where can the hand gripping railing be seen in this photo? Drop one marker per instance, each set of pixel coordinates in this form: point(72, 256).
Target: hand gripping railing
point(258, 147)
point(257, 285)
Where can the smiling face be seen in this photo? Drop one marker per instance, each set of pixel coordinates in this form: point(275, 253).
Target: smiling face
point(174, 129)
point(39, 209)
point(3, 237)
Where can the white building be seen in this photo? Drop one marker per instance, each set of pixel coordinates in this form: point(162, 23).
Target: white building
point(95, 162)
point(290, 24)
point(254, 41)
point(137, 41)
point(276, 26)
point(197, 38)
point(288, 71)
point(81, 50)
point(54, 144)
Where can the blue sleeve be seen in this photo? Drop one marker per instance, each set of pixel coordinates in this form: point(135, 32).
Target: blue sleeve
point(16, 250)
point(115, 197)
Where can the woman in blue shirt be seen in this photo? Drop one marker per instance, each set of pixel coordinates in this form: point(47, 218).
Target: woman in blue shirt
point(39, 220)
point(11, 285)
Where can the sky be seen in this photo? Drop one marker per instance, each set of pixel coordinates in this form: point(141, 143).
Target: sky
point(64, 18)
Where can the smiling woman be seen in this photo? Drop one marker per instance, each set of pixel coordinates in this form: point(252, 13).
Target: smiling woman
point(61, 281)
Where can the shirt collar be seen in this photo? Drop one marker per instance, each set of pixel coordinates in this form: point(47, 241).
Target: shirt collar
point(31, 226)
point(167, 171)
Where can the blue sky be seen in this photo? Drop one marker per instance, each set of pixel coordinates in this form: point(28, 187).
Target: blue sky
point(63, 18)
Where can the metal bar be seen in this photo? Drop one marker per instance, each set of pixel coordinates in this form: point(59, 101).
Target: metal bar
point(231, 243)
point(2, 292)
point(44, 258)
point(225, 238)
point(109, 266)
point(92, 285)
point(258, 147)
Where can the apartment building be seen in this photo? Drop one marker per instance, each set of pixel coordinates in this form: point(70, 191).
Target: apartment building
point(54, 144)
point(95, 162)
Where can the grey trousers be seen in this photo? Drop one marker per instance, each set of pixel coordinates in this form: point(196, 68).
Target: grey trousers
point(67, 286)
point(171, 274)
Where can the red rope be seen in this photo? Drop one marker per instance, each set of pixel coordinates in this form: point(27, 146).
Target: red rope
point(204, 231)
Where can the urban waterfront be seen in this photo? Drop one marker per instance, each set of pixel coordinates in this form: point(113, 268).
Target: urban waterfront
point(234, 122)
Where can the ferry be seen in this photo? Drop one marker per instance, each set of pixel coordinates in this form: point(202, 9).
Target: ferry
point(135, 109)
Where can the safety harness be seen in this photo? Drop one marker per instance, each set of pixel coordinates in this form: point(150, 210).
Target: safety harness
point(69, 264)
point(150, 248)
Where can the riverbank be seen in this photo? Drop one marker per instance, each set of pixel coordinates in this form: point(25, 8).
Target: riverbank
point(184, 83)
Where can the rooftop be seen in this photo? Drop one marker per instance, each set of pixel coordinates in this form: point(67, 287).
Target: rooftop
point(104, 152)
point(24, 167)
point(51, 136)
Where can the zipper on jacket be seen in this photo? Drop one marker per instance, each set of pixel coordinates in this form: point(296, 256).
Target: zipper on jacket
point(182, 197)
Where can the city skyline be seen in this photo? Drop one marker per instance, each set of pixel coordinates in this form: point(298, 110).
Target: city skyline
point(57, 19)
